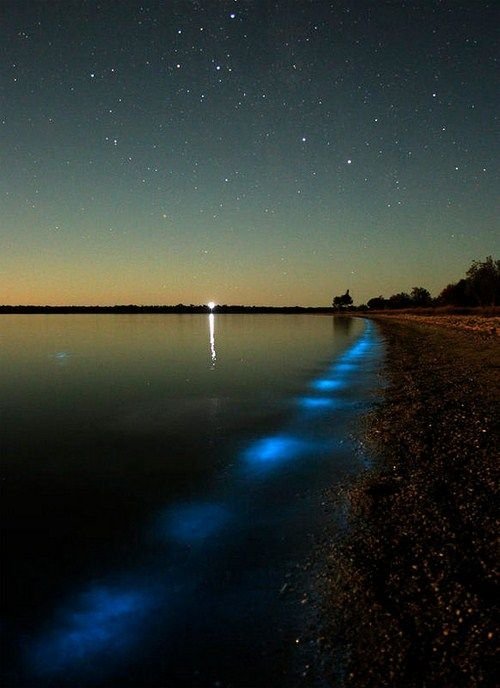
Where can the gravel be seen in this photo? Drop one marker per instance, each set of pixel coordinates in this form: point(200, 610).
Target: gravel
point(406, 597)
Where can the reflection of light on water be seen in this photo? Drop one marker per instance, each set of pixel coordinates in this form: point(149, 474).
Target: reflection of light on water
point(211, 327)
point(61, 357)
point(100, 628)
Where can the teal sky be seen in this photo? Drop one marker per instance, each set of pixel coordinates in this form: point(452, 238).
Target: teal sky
point(245, 152)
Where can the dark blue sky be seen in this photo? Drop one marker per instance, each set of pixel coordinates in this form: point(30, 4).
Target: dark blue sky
point(245, 152)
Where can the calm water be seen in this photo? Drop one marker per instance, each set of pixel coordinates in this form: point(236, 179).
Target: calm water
point(161, 478)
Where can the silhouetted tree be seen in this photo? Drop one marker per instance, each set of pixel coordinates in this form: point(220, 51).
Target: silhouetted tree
point(481, 287)
point(341, 302)
point(457, 294)
point(401, 300)
point(377, 303)
point(484, 280)
point(420, 297)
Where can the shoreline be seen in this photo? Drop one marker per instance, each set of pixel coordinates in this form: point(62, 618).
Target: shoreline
point(480, 323)
point(406, 596)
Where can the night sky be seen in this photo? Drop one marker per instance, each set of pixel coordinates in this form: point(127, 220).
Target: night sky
point(245, 152)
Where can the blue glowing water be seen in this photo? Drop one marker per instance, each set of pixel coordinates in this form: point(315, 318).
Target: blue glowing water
point(191, 523)
point(166, 489)
point(269, 453)
point(102, 625)
point(317, 402)
point(327, 384)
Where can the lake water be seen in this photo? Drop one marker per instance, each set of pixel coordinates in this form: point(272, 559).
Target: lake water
point(162, 478)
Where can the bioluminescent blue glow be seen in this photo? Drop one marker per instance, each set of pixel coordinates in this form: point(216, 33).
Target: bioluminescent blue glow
point(107, 623)
point(270, 452)
point(357, 350)
point(103, 624)
point(343, 367)
point(316, 402)
point(192, 523)
point(326, 384)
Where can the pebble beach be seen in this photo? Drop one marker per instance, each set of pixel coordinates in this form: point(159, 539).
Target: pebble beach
point(406, 595)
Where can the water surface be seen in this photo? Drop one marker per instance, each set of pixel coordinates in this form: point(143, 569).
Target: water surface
point(162, 475)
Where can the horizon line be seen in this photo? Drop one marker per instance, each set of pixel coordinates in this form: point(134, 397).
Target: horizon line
point(179, 306)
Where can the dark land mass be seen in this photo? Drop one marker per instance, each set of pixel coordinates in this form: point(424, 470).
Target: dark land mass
point(180, 308)
point(406, 596)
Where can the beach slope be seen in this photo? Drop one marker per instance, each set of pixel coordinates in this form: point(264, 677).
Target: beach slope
point(410, 591)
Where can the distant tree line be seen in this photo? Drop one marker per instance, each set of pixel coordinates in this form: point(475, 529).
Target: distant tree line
point(151, 309)
point(480, 287)
point(419, 297)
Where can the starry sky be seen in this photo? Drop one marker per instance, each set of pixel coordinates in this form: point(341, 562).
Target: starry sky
point(244, 151)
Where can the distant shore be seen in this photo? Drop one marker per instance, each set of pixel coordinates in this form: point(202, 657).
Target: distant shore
point(409, 592)
point(180, 308)
point(447, 315)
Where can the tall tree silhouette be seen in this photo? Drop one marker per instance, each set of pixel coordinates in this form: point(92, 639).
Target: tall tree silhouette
point(484, 280)
point(341, 302)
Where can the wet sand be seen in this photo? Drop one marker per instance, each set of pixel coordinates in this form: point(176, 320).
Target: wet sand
point(406, 596)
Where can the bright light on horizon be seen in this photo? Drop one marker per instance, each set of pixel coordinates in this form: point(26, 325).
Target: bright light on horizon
point(211, 305)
